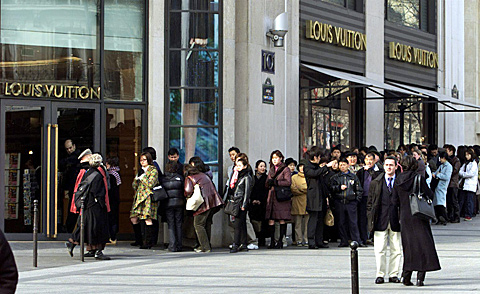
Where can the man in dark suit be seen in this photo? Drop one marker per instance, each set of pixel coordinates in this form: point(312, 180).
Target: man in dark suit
point(383, 220)
point(366, 175)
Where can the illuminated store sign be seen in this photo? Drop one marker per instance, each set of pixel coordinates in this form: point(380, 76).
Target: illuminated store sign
point(413, 55)
point(336, 35)
point(51, 91)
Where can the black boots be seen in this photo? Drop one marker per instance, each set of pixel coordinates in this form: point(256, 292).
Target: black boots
point(283, 233)
point(137, 230)
point(271, 231)
point(149, 235)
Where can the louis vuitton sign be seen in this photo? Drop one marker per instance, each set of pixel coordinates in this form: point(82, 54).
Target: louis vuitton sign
point(51, 91)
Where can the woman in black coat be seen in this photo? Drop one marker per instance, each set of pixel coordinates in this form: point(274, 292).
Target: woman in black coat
point(175, 204)
point(419, 253)
point(258, 202)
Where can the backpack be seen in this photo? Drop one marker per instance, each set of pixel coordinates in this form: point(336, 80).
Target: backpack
point(83, 189)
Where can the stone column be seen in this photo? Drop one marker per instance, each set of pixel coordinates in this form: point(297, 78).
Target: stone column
point(374, 69)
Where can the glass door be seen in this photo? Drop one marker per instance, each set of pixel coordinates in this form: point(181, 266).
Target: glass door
point(41, 142)
point(77, 128)
point(22, 164)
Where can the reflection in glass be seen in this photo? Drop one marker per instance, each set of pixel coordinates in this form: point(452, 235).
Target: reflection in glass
point(198, 30)
point(23, 161)
point(413, 131)
point(193, 107)
point(194, 68)
point(124, 140)
point(337, 2)
point(53, 42)
point(211, 5)
point(124, 31)
point(404, 12)
point(202, 142)
point(326, 115)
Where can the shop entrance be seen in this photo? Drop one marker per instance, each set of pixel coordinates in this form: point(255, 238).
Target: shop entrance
point(41, 141)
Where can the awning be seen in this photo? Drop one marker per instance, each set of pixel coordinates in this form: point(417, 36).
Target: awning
point(369, 83)
point(441, 98)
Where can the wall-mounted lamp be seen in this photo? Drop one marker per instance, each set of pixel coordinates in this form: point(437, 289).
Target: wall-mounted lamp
point(279, 30)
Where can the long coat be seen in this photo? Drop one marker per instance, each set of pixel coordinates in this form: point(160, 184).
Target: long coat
point(8, 267)
point(97, 230)
point(143, 207)
point(209, 192)
point(419, 253)
point(443, 174)
point(279, 210)
point(317, 192)
point(299, 191)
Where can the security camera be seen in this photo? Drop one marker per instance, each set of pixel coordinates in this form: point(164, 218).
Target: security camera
point(279, 30)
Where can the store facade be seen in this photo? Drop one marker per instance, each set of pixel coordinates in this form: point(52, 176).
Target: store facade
point(72, 77)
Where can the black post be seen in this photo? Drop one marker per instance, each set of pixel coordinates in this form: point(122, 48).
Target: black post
point(402, 109)
point(354, 260)
point(35, 233)
point(82, 230)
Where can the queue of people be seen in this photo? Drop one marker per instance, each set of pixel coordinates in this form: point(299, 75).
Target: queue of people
point(367, 190)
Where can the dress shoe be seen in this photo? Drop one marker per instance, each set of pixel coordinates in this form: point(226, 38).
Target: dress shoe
point(242, 247)
point(342, 245)
point(234, 249)
point(393, 280)
point(407, 283)
point(455, 221)
point(420, 283)
point(70, 247)
point(90, 253)
point(323, 246)
point(312, 247)
point(379, 280)
point(100, 256)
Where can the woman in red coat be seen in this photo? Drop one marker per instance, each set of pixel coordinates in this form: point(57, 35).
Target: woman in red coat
point(278, 175)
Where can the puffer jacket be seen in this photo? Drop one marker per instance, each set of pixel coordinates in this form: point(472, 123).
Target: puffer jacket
point(354, 190)
point(469, 172)
point(173, 184)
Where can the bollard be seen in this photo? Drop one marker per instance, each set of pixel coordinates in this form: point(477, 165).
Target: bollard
point(354, 261)
point(35, 233)
point(82, 230)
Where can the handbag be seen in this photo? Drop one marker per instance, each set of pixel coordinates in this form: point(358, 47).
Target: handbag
point(420, 205)
point(329, 220)
point(196, 200)
point(159, 193)
point(282, 193)
point(232, 207)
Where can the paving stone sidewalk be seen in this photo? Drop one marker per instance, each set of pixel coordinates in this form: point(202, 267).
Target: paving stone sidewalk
point(291, 270)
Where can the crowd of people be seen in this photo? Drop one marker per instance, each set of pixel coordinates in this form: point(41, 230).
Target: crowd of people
point(329, 196)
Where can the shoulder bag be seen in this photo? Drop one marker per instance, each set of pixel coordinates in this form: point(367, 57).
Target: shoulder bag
point(282, 193)
point(420, 205)
point(196, 200)
point(159, 193)
point(232, 205)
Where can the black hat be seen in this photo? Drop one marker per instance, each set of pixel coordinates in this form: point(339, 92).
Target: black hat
point(351, 154)
point(289, 161)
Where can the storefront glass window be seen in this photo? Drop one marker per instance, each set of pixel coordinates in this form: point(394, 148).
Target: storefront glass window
point(124, 32)
point(194, 65)
point(124, 141)
point(345, 3)
point(51, 42)
point(326, 116)
point(404, 120)
point(406, 12)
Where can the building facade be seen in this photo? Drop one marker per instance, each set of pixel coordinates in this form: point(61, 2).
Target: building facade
point(202, 76)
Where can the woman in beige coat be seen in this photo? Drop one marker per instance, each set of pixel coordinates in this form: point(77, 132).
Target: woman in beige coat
point(299, 205)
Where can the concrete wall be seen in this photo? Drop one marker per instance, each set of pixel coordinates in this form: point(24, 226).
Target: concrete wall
point(472, 82)
point(451, 44)
point(261, 128)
